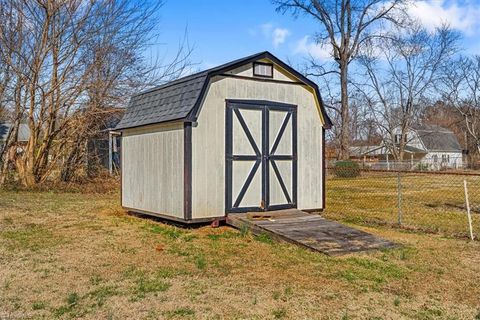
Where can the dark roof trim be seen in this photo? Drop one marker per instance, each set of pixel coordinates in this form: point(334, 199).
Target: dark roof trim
point(262, 79)
point(153, 124)
point(193, 115)
point(260, 102)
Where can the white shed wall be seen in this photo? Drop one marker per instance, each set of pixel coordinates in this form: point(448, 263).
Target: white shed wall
point(208, 142)
point(152, 169)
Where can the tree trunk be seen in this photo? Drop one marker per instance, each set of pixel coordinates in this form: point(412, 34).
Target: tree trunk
point(75, 157)
point(344, 151)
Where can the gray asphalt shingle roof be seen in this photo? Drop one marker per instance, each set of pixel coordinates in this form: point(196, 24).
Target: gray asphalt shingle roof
point(171, 101)
point(436, 138)
point(180, 98)
point(411, 149)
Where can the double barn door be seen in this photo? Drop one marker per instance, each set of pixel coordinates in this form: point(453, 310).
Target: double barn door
point(261, 156)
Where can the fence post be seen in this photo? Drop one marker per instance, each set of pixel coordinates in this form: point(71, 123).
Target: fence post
point(467, 204)
point(400, 199)
point(110, 153)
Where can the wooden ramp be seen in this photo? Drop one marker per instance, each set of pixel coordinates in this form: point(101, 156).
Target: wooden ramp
point(309, 230)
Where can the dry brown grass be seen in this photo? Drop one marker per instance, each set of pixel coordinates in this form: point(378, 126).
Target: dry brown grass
point(432, 203)
point(72, 255)
point(102, 183)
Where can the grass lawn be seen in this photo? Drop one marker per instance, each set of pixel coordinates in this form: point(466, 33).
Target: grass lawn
point(67, 255)
point(430, 202)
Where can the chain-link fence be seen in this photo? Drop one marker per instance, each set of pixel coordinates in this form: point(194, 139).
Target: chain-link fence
point(440, 162)
point(424, 201)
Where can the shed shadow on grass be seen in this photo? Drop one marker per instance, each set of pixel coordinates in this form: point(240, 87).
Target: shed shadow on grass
point(174, 223)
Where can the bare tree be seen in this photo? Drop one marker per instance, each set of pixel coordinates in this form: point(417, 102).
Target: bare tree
point(363, 128)
point(117, 69)
point(401, 71)
point(460, 88)
point(71, 64)
point(346, 26)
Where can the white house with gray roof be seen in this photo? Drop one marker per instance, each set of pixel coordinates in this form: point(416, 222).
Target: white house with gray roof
point(440, 145)
point(431, 146)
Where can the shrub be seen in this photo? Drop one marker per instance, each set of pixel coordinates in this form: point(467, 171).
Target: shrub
point(346, 169)
point(422, 166)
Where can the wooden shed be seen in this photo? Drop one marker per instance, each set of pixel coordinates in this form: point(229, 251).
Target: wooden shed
point(245, 136)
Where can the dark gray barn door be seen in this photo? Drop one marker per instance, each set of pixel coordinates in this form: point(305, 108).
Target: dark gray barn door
point(261, 163)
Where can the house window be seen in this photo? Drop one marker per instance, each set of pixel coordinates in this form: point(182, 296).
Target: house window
point(261, 69)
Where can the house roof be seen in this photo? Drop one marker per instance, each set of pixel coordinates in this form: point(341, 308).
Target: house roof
point(380, 149)
point(180, 99)
point(364, 150)
point(23, 131)
point(436, 138)
point(412, 149)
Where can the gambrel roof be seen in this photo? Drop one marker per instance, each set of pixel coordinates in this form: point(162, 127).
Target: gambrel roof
point(180, 99)
point(436, 138)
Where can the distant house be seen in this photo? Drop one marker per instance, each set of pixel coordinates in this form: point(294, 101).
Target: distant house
point(431, 146)
point(104, 147)
point(23, 133)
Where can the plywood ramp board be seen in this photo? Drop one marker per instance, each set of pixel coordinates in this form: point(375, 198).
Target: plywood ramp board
point(310, 231)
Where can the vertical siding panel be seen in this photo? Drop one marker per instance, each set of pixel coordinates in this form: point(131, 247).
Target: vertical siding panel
point(141, 167)
point(159, 169)
point(180, 150)
point(153, 169)
point(173, 168)
point(281, 93)
point(167, 173)
point(218, 160)
point(208, 138)
point(207, 173)
point(195, 169)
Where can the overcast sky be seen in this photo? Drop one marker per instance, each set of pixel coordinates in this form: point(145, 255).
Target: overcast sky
point(223, 30)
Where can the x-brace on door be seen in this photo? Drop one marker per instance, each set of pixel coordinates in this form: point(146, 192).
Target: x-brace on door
point(261, 156)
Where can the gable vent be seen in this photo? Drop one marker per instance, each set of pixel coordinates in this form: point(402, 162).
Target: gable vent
point(263, 69)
